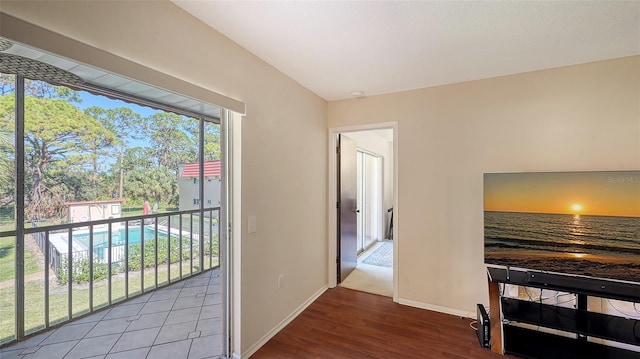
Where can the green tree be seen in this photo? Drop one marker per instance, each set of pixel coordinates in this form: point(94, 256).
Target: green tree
point(151, 184)
point(139, 158)
point(71, 181)
point(7, 189)
point(126, 126)
point(98, 148)
point(211, 141)
point(174, 137)
point(6, 157)
point(7, 84)
point(54, 130)
point(41, 89)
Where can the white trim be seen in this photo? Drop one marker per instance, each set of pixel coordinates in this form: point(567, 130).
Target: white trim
point(254, 348)
point(437, 308)
point(333, 199)
point(236, 356)
point(235, 137)
point(396, 211)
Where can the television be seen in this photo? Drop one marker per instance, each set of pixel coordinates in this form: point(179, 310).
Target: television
point(584, 224)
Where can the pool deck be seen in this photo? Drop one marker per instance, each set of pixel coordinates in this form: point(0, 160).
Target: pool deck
point(182, 320)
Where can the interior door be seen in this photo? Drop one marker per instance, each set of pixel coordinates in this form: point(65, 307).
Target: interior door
point(347, 207)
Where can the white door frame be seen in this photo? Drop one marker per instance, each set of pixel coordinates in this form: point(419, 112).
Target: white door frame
point(333, 199)
point(232, 236)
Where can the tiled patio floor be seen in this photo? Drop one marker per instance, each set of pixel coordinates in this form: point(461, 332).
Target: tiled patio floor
point(183, 320)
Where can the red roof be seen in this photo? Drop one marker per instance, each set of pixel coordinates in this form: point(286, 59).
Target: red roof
point(211, 169)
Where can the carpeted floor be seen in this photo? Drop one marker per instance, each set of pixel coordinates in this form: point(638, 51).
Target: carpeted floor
point(372, 278)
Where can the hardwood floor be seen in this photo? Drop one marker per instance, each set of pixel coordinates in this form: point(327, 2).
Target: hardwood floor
point(345, 323)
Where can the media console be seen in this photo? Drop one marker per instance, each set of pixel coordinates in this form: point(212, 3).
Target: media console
point(568, 331)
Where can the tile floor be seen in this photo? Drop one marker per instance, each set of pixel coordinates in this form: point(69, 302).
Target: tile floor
point(182, 320)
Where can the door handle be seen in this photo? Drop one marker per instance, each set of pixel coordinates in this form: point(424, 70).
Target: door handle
point(355, 210)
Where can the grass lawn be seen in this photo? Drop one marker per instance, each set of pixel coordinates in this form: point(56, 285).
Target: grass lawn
point(8, 259)
point(8, 256)
point(58, 297)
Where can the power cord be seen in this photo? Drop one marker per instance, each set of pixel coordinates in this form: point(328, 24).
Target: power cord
point(472, 325)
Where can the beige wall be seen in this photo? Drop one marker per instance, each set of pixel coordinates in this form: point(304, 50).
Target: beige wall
point(284, 181)
point(584, 117)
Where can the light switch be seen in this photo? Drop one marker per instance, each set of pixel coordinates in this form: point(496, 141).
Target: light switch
point(252, 224)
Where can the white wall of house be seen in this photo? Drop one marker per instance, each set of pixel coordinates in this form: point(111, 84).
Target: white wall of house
point(584, 117)
point(93, 210)
point(189, 193)
point(284, 146)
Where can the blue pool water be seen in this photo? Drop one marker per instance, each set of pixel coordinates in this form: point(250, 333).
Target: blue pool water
point(101, 239)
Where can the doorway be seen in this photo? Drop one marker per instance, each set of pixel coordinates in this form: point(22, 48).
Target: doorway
point(371, 266)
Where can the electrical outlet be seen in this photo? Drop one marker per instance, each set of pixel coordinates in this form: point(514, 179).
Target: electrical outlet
point(280, 279)
point(252, 225)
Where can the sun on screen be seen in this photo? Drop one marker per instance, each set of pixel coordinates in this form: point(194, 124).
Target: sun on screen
point(576, 207)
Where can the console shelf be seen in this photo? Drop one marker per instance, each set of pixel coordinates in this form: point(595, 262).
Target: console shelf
point(536, 344)
point(576, 325)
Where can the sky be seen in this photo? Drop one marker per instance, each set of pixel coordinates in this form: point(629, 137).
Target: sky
point(606, 193)
point(89, 100)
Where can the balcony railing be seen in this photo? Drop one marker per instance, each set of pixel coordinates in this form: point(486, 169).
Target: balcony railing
point(91, 265)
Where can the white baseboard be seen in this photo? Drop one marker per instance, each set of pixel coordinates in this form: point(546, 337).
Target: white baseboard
point(254, 348)
point(437, 308)
point(235, 356)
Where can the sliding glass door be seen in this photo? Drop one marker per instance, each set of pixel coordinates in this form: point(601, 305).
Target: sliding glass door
point(369, 177)
point(101, 200)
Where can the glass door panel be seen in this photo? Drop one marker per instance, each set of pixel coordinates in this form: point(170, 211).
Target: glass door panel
point(360, 200)
point(7, 209)
point(371, 190)
point(369, 194)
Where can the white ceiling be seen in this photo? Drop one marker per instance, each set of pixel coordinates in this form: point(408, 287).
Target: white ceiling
point(336, 47)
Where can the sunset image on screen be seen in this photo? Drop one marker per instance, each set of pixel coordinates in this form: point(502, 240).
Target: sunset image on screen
point(583, 223)
point(594, 193)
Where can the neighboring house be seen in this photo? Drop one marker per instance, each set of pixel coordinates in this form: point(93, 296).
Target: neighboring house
point(189, 185)
point(94, 210)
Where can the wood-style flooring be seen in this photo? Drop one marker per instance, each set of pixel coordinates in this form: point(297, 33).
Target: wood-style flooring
point(345, 323)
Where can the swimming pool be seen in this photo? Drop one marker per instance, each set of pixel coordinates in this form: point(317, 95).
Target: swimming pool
point(101, 239)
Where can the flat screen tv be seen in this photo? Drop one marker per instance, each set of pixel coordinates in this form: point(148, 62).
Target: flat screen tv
point(576, 223)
